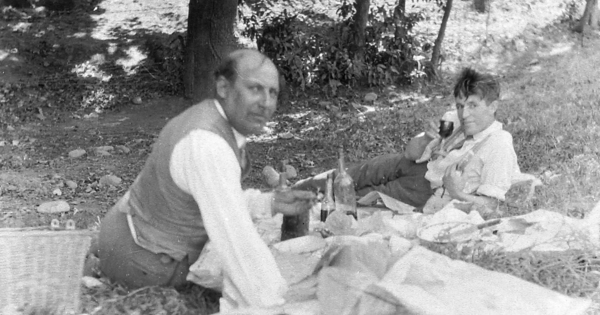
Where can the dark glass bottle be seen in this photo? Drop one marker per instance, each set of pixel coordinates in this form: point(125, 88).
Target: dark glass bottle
point(446, 128)
point(327, 204)
point(293, 225)
point(343, 189)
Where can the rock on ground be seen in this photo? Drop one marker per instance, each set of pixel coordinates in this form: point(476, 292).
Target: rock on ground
point(123, 149)
point(77, 153)
point(71, 184)
point(91, 282)
point(370, 97)
point(57, 206)
point(110, 180)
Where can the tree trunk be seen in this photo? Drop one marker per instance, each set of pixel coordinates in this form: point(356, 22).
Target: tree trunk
point(435, 55)
point(590, 16)
point(399, 16)
point(211, 36)
point(594, 16)
point(360, 23)
point(481, 6)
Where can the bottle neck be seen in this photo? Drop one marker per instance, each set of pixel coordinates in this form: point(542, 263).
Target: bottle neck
point(282, 181)
point(342, 165)
point(329, 189)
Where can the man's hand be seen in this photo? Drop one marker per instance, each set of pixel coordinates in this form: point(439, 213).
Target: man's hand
point(432, 130)
point(454, 183)
point(292, 202)
point(421, 147)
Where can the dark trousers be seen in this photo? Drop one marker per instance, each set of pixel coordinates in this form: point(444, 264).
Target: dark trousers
point(125, 262)
point(395, 176)
point(391, 174)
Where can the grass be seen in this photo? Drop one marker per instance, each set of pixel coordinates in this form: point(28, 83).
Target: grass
point(575, 273)
point(551, 107)
point(153, 300)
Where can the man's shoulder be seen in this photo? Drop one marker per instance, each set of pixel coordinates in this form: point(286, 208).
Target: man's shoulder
point(501, 135)
point(499, 141)
point(204, 105)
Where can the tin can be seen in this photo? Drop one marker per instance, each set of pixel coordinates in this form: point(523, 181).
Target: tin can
point(295, 226)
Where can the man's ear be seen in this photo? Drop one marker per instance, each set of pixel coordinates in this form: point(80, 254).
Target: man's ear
point(494, 106)
point(222, 85)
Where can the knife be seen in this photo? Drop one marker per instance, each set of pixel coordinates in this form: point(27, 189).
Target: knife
point(472, 228)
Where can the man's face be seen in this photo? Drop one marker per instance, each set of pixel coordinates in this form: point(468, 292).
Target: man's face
point(475, 114)
point(251, 99)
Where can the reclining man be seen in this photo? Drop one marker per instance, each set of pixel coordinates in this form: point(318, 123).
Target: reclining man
point(476, 164)
point(190, 190)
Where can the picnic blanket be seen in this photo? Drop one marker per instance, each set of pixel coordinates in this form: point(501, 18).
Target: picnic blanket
point(376, 266)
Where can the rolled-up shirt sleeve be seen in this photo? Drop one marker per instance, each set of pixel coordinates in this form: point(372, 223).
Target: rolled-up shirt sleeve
point(499, 167)
point(204, 165)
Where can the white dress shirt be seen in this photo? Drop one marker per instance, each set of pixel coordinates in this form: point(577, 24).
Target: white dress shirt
point(489, 163)
point(204, 165)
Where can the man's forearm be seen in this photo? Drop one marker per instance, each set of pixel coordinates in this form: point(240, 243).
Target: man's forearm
point(416, 146)
point(489, 202)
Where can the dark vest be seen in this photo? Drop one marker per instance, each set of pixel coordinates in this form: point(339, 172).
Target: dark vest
point(167, 219)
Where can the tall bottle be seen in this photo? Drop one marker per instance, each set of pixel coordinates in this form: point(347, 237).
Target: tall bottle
point(343, 189)
point(293, 225)
point(327, 204)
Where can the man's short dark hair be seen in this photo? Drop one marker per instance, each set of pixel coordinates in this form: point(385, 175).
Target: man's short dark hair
point(228, 68)
point(471, 82)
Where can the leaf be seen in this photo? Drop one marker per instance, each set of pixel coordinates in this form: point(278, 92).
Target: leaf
point(286, 135)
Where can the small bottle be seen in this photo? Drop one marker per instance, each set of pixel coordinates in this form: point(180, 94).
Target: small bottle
point(327, 204)
point(343, 189)
point(446, 128)
point(293, 225)
point(445, 131)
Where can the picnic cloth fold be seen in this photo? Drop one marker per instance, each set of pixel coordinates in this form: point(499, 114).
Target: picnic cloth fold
point(422, 282)
point(429, 283)
point(386, 272)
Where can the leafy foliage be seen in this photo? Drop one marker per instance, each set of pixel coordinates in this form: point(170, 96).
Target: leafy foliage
point(321, 57)
point(571, 13)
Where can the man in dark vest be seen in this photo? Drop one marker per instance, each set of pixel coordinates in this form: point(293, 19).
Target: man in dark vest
point(190, 190)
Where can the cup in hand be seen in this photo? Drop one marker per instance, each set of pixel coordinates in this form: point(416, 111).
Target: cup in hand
point(446, 128)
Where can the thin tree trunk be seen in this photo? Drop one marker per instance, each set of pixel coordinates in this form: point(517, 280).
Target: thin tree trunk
point(399, 17)
point(481, 6)
point(360, 23)
point(590, 16)
point(594, 15)
point(211, 36)
point(435, 55)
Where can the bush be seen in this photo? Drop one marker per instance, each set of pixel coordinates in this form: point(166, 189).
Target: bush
point(320, 56)
point(571, 11)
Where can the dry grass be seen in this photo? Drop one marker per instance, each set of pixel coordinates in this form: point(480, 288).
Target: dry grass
point(551, 106)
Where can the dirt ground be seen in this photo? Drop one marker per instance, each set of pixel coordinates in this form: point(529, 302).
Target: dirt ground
point(518, 41)
point(34, 152)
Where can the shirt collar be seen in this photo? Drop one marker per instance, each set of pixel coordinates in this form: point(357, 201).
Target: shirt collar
point(495, 126)
point(240, 139)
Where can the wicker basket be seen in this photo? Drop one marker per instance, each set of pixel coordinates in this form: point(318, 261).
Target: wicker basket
point(41, 270)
